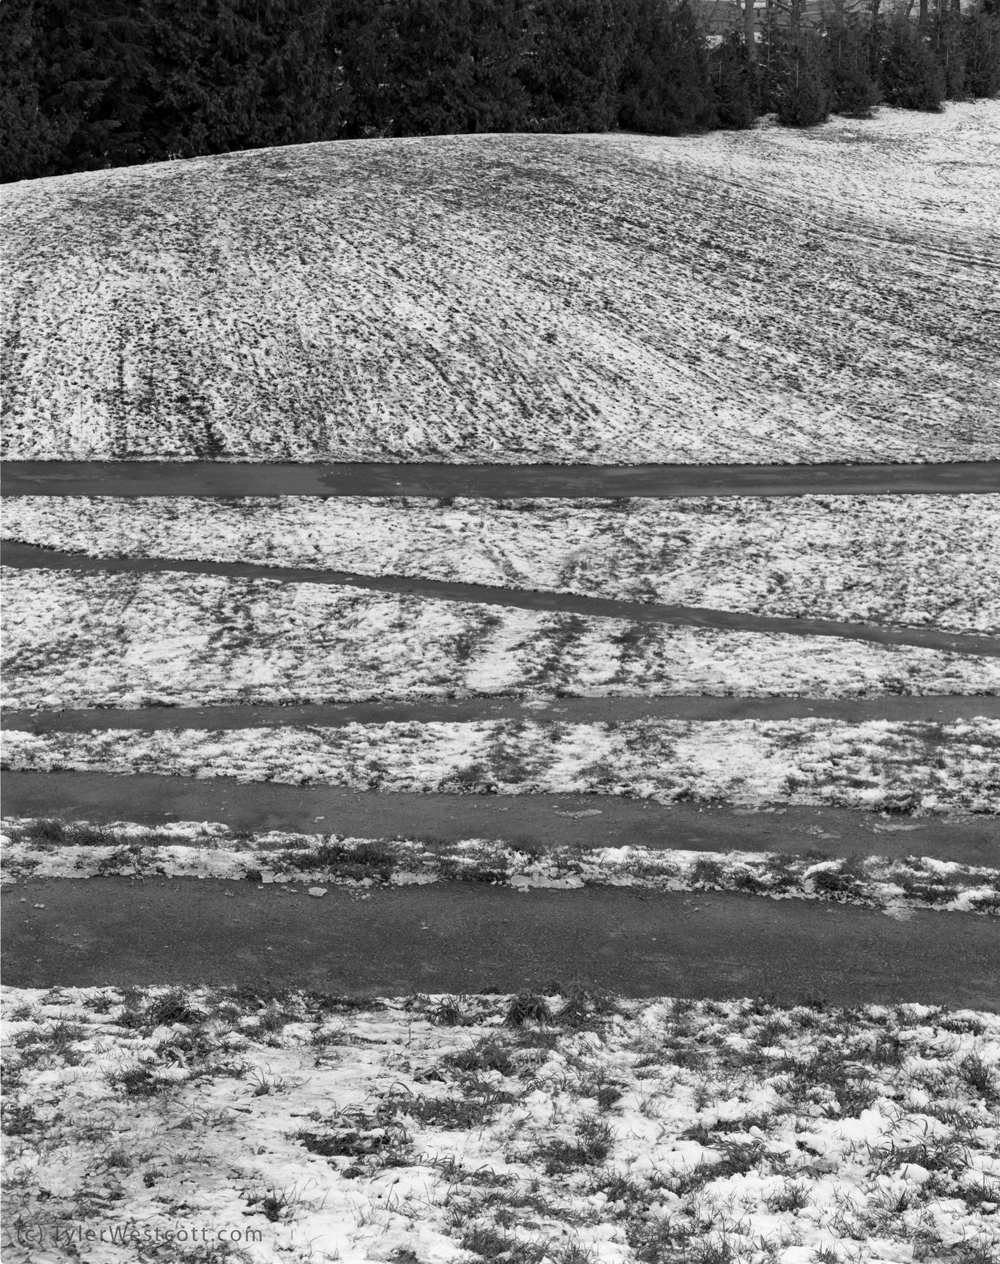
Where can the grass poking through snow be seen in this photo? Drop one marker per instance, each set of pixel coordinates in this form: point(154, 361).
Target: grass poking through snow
point(44, 848)
point(565, 1125)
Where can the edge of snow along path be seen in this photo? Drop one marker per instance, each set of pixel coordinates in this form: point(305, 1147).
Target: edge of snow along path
point(206, 850)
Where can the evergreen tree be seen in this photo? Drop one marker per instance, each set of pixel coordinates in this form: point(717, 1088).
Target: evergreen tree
point(363, 35)
point(448, 66)
point(772, 62)
point(949, 49)
point(430, 70)
point(499, 41)
point(806, 98)
point(240, 74)
point(96, 72)
point(664, 86)
point(981, 45)
point(848, 57)
point(30, 141)
point(572, 61)
point(74, 101)
point(909, 75)
point(794, 74)
point(734, 81)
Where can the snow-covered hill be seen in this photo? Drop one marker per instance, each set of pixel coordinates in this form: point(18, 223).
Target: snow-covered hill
point(777, 295)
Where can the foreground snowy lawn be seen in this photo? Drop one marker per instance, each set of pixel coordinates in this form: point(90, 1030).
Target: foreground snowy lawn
point(34, 848)
point(889, 560)
point(251, 1125)
point(101, 639)
point(778, 295)
point(814, 762)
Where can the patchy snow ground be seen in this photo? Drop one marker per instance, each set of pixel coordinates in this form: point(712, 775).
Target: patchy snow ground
point(926, 561)
point(875, 765)
point(102, 639)
point(241, 1125)
point(789, 295)
point(42, 848)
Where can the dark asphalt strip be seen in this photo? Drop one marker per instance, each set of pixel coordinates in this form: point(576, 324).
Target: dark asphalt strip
point(546, 820)
point(458, 938)
point(935, 709)
point(224, 478)
point(33, 557)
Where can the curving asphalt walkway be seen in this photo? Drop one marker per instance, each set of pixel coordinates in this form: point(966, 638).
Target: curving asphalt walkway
point(224, 478)
point(33, 557)
point(934, 708)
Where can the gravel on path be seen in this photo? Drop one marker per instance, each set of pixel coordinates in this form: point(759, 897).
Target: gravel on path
point(459, 938)
point(33, 557)
point(227, 478)
point(544, 819)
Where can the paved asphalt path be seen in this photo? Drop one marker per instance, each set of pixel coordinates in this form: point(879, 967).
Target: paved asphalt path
point(587, 820)
point(938, 709)
point(456, 937)
point(31, 556)
point(463, 937)
point(225, 478)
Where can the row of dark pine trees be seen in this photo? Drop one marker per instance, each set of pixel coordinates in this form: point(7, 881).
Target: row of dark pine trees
point(86, 84)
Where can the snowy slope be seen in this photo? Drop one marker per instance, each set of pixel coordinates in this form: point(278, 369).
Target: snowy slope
point(779, 295)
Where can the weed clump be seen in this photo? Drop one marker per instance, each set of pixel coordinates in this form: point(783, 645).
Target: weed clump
point(487, 1054)
point(137, 1081)
point(527, 1007)
point(172, 1007)
point(592, 1147)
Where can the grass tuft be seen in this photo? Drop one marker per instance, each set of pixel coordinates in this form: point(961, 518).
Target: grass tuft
point(527, 1007)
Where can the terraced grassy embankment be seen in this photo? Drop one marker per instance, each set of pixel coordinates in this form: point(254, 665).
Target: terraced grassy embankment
point(560, 1124)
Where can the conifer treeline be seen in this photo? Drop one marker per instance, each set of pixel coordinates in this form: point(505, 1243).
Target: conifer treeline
point(88, 84)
